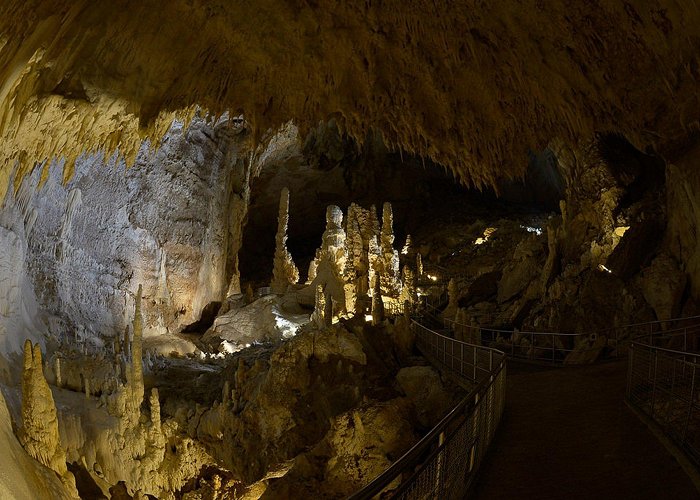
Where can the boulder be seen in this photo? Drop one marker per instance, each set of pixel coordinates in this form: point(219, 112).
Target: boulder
point(423, 386)
point(663, 284)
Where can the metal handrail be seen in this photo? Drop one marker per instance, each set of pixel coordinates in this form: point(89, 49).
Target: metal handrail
point(662, 383)
point(559, 349)
point(444, 438)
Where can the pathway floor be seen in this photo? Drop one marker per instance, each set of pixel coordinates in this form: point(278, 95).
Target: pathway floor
point(567, 434)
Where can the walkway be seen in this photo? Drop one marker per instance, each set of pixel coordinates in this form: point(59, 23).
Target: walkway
point(567, 434)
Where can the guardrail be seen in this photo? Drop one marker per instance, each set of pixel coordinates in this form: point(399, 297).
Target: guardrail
point(561, 348)
point(548, 347)
point(663, 382)
point(443, 464)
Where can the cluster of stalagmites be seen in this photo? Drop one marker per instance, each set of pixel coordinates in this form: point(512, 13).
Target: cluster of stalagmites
point(356, 269)
point(110, 436)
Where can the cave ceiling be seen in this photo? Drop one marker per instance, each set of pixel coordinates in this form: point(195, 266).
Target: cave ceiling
point(474, 85)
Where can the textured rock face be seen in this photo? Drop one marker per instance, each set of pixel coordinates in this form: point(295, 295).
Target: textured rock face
point(563, 70)
point(683, 211)
point(424, 388)
point(171, 222)
point(663, 285)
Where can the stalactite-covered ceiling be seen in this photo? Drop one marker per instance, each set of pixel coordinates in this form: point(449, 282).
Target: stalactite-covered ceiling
point(471, 84)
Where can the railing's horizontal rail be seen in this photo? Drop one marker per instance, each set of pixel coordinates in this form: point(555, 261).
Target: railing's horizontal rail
point(443, 463)
point(663, 384)
point(554, 347)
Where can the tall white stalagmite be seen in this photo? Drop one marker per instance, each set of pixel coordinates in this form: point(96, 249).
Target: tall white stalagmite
point(389, 263)
point(137, 388)
point(319, 315)
point(284, 271)
point(331, 263)
point(40, 435)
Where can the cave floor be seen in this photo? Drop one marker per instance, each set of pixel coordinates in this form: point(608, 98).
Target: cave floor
point(567, 433)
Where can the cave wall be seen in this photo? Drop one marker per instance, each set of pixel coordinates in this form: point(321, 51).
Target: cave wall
point(683, 208)
point(171, 222)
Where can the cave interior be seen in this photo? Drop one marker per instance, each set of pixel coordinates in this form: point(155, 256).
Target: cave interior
point(349, 249)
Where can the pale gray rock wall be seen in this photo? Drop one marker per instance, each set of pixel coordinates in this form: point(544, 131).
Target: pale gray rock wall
point(73, 255)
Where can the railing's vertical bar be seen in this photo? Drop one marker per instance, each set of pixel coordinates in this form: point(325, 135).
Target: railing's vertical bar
point(653, 389)
point(690, 403)
point(630, 371)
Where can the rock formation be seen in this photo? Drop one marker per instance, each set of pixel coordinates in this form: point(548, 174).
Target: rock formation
point(389, 257)
point(319, 315)
point(377, 303)
point(284, 272)
point(136, 378)
point(330, 263)
point(40, 435)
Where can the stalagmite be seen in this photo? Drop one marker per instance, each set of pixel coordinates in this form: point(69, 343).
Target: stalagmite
point(57, 371)
point(408, 246)
point(419, 265)
point(284, 272)
point(452, 305)
point(225, 393)
point(155, 410)
point(40, 435)
point(389, 261)
point(319, 315)
point(374, 259)
point(126, 343)
point(137, 388)
point(377, 303)
point(408, 288)
point(330, 264)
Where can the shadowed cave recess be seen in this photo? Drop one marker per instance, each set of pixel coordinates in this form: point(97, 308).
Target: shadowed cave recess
point(227, 231)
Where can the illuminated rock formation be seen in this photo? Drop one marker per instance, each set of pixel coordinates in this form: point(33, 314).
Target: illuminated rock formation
point(453, 298)
point(330, 264)
point(319, 315)
point(136, 378)
point(388, 264)
point(40, 435)
point(284, 272)
point(408, 287)
point(377, 303)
